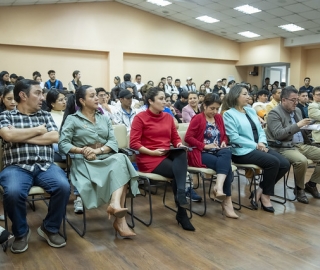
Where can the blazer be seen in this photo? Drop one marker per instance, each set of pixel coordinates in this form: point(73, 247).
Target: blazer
point(239, 130)
point(280, 127)
point(195, 137)
point(314, 113)
point(188, 113)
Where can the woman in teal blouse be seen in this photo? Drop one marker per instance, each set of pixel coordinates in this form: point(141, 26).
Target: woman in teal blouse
point(98, 171)
point(243, 128)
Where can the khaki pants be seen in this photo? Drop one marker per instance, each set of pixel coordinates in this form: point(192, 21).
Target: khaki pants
point(298, 157)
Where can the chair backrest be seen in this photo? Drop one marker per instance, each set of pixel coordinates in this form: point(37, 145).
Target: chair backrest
point(183, 126)
point(182, 135)
point(120, 132)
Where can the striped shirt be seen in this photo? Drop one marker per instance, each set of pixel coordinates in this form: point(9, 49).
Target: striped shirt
point(26, 155)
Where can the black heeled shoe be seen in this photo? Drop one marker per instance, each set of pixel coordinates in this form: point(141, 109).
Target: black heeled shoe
point(181, 199)
point(269, 209)
point(183, 219)
point(253, 202)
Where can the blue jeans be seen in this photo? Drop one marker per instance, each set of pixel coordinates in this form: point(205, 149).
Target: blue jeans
point(17, 182)
point(221, 163)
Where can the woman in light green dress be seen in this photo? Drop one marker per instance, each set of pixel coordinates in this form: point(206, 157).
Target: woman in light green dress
point(98, 171)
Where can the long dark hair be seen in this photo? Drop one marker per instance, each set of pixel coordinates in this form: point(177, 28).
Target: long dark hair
point(6, 91)
point(73, 101)
point(209, 99)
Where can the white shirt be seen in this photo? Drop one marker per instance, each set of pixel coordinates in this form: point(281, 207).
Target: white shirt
point(171, 89)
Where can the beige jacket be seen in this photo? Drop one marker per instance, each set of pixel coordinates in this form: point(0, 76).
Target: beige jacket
point(314, 113)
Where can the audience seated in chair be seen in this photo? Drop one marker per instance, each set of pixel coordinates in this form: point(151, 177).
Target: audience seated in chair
point(243, 128)
point(206, 132)
point(314, 112)
point(98, 171)
point(284, 125)
point(28, 134)
point(151, 134)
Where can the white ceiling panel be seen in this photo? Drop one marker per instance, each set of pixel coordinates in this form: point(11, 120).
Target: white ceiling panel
point(305, 13)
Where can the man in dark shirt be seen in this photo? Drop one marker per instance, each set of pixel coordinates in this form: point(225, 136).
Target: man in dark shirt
point(307, 87)
point(53, 82)
point(266, 83)
point(218, 88)
point(182, 102)
point(303, 103)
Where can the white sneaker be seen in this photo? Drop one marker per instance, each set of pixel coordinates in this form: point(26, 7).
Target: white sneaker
point(1, 217)
point(78, 207)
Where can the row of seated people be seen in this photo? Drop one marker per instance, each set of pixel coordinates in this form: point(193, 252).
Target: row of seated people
point(89, 136)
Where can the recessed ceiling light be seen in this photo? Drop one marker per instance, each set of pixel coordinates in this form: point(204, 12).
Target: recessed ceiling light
point(207, 19)
point(161, 3)
point(248, 34)
point(247, 9)
point(291, 27)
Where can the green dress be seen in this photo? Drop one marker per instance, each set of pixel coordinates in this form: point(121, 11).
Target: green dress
point(96, 180)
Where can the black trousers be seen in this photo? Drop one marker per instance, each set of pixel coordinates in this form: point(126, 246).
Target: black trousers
point(274, 166)
point(174, 166)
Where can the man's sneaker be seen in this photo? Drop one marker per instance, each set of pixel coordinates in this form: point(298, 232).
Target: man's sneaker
point(78, 207)
point(20, 244)
point(53, 239)
point(2, 217)
point(190, 193)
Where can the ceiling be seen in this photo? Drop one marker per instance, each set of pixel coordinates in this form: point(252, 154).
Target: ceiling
point(304, 13)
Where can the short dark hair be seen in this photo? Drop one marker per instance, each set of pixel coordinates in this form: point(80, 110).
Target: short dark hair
point(51, 71)
point(229, 83)
point(169, 77)
point(23, 86)
point(223, 79)
point(52, 97)
point(192, 93)
point(283, 84)
point(36, 73)
point(163, 78)
point(206, 81)
point(267, 78)
point(101, 89)
point(286, 92)
point(14, 76)
point(210, 98)
point(316, 88)
point(262, 92)
point(302, 91)
point(138, 75)
point(306, 79)
point(151, 94)
point(184, 94)
point(177, 80)
point(274, 91)
point(127, 77)
point(75, 73)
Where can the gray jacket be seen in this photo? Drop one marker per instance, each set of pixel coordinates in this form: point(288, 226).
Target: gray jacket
point(280, 128)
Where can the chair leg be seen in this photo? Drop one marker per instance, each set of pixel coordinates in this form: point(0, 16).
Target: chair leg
point(73, 226)
point(284, 193)
point(147, 191)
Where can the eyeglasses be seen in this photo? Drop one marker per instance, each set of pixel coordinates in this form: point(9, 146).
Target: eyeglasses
point(294, 100)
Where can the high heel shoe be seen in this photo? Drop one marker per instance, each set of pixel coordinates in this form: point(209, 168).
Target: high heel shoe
point(218, 195)
point(269, 209)
point(125, 233)
point(181, 198)
point(182, 218)
point(227, 208)
point(119, 212)
point(253, 202)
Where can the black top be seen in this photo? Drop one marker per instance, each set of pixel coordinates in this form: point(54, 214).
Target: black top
point(254, 129)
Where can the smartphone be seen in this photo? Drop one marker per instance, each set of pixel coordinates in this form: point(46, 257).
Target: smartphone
point(312, 121)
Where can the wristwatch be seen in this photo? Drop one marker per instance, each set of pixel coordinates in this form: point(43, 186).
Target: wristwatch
point(102, 150)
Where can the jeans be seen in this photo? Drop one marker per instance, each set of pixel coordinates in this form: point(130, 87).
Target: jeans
point(221, 163)
point(17, 183)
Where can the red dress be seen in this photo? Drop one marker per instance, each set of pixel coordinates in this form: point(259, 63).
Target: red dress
point(153, 131)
